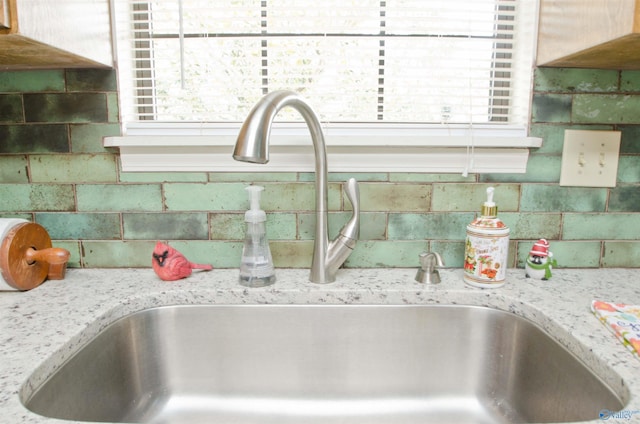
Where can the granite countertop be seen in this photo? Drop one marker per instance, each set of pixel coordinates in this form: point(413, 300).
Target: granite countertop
point(41, 328)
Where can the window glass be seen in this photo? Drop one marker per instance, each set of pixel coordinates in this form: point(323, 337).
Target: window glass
point(402, 61)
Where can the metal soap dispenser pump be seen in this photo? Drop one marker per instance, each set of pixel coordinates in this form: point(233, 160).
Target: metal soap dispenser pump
point(256, 266)
point(486, 248)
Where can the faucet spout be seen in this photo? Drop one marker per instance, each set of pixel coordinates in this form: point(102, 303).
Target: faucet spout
point(252, 145)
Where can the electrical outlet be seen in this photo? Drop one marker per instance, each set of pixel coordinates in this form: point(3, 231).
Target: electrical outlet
point(590, 158)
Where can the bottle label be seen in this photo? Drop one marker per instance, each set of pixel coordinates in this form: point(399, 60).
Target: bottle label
point(485, 258)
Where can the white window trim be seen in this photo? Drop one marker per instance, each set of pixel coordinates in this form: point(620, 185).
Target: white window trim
point(420, 148)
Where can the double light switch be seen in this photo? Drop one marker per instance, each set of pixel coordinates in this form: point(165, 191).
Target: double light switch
point(590, 158)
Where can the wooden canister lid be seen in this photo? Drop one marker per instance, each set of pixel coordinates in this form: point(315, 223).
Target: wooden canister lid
point(17, 270)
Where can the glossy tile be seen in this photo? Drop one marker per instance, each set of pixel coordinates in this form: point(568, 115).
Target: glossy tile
point(32, 81)
point(575, 80)
point(14, 169)
point(601, 226)
point(553, 198)
point(392, 197)
point(41, 138)
point(470, 197)
point(612, 108)
point(81, 226)
point(11, 108)
point(162, 226)
point(36, 197)
point(621, 254)
point(119, 198)
point(77, 168)
point(65, 107)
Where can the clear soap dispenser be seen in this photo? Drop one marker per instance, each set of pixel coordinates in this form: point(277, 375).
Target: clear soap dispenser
point(256, 266)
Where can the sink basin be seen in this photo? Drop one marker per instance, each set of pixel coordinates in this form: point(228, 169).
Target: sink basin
point(323, 364)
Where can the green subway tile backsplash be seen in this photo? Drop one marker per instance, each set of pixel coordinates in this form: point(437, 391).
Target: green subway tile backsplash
point(621, 254)
point(11, 108)
point(375, 254)
point(81, 226)
point(630, 81)
point(55, 170)
point(36, 197)
point(551, 108)
point(286, 254)
point(88, 80)
point(113, 109)
point(151, 226)
point(65, 107)
point(576, 80)
point(73, 168)
point(121, 254)
point(553, 198)
point(625, 199)
point(630, 139)
point(541, 168)
point(614, 108)
point(394, 197)
point(220, 254)
point(629, 169)
point(470, 197)
point(205, 197)
point(44, 138)
point(614, 226)
point(87, 138)
point(429, 226)
point(159, 177)
point(32, 81)
point(230, 226)
point(14, 169)
point(115, 198)
point(525, 225)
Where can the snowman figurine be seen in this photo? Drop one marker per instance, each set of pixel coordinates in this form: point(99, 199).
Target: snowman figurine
point(540, 261)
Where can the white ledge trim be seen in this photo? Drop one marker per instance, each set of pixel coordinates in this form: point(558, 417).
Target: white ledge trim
point(349, 149)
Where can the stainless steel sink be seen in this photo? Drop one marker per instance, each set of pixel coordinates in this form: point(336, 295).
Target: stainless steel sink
point(323, 364)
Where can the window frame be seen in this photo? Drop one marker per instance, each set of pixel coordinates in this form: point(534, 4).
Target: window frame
point(444, 148)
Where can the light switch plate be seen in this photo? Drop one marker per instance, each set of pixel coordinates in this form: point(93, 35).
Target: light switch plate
point(590, 158)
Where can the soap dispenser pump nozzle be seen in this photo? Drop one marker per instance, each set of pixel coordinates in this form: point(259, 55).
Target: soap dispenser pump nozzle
point(254, 214)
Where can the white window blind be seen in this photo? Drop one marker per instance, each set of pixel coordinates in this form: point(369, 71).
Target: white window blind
point(371, 61)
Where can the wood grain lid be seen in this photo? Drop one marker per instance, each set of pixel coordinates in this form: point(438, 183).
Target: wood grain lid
point(17, 265)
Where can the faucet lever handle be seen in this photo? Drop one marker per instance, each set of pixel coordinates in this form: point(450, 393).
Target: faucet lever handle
point(353, 194)
point(352, 228)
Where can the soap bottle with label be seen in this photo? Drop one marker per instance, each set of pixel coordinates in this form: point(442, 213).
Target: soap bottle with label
point(256, 265)
point(486, 248)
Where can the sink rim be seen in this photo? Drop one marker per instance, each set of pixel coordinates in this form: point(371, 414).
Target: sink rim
point(29, 388)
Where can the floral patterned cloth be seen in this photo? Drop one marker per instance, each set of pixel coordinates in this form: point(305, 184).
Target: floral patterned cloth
point(623, 320)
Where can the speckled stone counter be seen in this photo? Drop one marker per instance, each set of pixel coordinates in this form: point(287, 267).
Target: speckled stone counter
point(41, 328)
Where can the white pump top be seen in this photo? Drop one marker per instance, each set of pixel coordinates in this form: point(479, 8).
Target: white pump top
point(490, 203)
point(489, 208)
point(255, 214)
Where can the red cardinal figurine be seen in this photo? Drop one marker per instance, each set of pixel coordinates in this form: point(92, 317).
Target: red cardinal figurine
point(171, 265)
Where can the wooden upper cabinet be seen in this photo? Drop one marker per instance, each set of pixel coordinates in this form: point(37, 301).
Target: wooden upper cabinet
point(55, 34)
point(589, 34)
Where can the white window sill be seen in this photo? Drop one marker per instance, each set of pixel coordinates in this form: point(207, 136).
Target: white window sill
point(350, 148)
